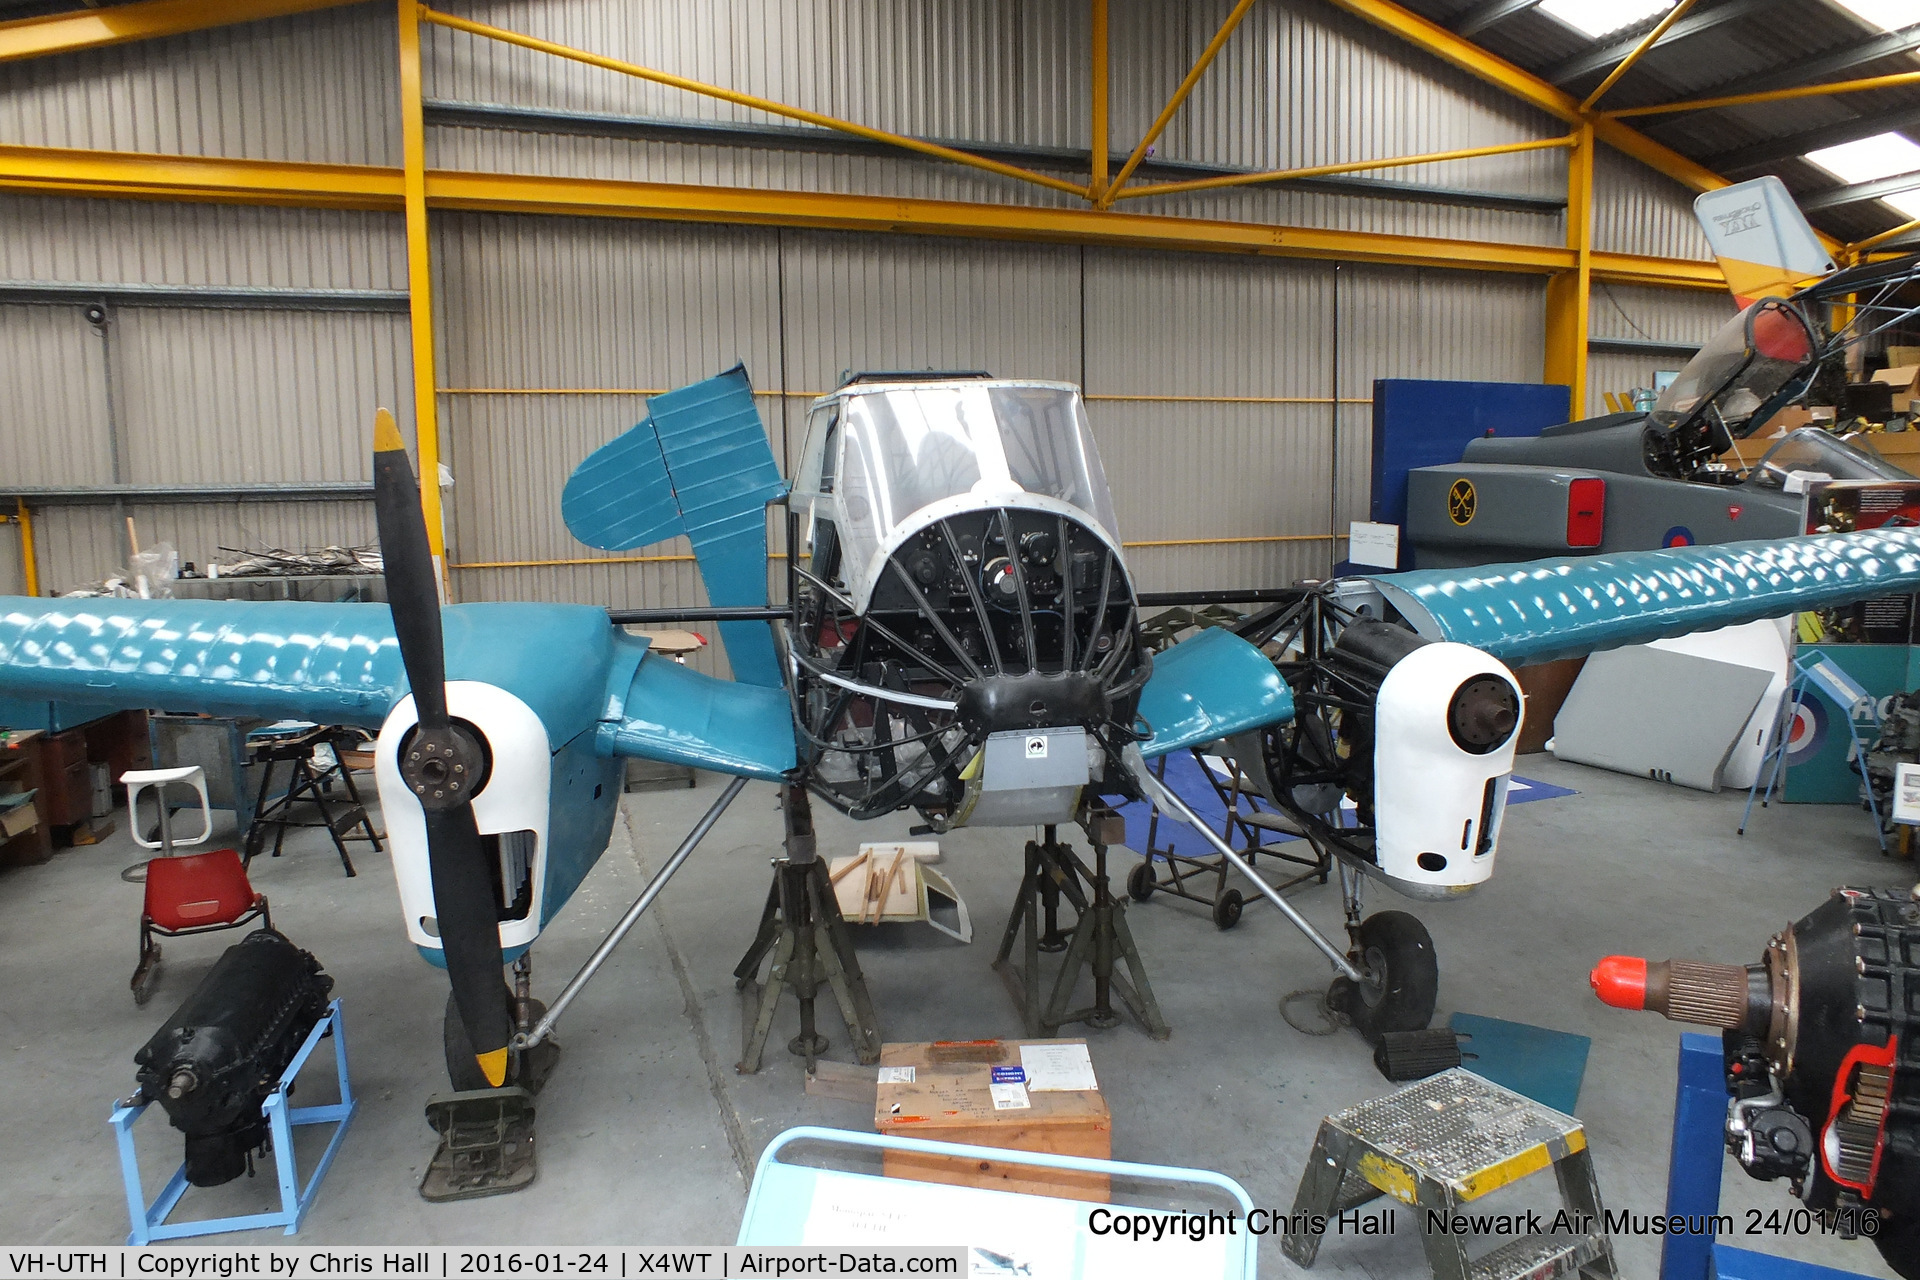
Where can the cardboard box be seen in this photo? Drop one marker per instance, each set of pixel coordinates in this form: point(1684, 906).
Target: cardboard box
point(1897, 356)
point(18, 820)
point(1905, 381)
point(950, 1099)
point(1901, 448)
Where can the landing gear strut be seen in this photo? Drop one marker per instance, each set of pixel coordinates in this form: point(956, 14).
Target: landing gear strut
point(1399, 973)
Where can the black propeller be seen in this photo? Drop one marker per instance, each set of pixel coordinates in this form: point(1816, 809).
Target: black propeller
point(441, 761)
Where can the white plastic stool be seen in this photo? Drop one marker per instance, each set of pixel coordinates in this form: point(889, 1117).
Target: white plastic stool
point(138, 780)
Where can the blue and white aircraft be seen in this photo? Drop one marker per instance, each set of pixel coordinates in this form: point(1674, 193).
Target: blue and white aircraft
point(958, 585)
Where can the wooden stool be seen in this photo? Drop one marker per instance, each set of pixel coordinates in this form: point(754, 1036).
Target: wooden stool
point(1443, 1143)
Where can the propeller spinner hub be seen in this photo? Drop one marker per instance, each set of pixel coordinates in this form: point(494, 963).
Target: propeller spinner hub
point(443, 766)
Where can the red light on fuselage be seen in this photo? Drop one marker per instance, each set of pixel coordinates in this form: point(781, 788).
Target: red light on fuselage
point(1586, 511)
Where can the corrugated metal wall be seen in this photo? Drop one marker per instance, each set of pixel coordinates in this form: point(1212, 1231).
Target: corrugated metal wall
point(1211, 379)
point(1646, 315)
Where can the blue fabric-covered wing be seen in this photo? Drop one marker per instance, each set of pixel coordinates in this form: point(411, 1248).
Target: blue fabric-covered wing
point(330, 663)
point(1571, 605)
point(699, 464)
point(675, 714)
point(1210, 687)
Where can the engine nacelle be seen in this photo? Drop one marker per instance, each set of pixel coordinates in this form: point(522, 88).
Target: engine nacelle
point(511, 811)
point(1446, 722)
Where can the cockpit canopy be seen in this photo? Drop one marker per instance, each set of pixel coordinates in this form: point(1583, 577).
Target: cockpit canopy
point(1755, 355)
point(881, 460)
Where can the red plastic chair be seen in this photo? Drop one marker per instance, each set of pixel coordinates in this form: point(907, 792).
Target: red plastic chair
point(192, 893)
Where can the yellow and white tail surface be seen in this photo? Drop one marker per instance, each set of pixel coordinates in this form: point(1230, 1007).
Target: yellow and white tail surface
point(1761, 239)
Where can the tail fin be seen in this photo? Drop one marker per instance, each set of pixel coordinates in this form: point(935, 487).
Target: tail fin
point(1761, 239)
point(698, 464)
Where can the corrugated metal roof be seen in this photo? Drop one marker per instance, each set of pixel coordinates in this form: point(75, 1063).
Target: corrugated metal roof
point(1766, 45)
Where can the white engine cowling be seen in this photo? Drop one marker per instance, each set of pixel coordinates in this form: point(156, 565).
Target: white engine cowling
point(1439, 795)
point(513, 806)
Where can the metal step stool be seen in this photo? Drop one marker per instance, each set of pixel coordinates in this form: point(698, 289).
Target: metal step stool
point(1443, 1143)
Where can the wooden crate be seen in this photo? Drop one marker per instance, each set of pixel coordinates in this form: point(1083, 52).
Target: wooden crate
point(950, 1100)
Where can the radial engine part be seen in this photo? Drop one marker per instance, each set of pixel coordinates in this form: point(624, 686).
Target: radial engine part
point(1822, 1047)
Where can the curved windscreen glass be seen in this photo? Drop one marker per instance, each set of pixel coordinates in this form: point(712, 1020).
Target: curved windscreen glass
point(1754, 355)
point(909, 447)
point(1821, 452)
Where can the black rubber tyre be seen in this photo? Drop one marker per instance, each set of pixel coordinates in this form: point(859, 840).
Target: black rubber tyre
point(1140, 882)
point(463, 1071)
point(1226, 909)
point(1403, 978)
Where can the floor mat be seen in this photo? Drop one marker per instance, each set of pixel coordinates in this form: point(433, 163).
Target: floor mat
point(1546, 1066)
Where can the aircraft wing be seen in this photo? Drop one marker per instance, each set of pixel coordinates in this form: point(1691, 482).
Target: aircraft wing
point(1567, 606)
point(1209, 687)
point(329, 663)
point(676, 715)
point(340, 664)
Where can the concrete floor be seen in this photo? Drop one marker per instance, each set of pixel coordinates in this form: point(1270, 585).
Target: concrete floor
point(648, 1135)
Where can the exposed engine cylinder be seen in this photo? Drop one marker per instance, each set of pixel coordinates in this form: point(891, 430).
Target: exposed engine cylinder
point(1822, 1049)
point(218, 1057)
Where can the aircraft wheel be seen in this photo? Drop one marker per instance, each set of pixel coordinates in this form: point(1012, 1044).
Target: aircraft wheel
point(1141, 881)
point(1226, 909)
point(463, 1072)
point(1401, 978)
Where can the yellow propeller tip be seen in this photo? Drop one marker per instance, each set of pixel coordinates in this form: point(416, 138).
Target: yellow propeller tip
point(492, 1065)
point(386, 434)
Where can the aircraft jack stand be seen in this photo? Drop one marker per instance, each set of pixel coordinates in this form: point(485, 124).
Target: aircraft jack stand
point(1100, 937)
point(486, 1144)
point(801, 914)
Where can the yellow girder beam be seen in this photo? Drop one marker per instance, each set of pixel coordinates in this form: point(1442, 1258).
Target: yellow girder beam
point(1192, 78)
point(920, 145)
point(426, 405)
point(1462, 53)
point(1658, 273)
point(156, 177)
point(1896, 80)
point(119, 24)
point(1350, 166)
point(1625, 65)
point(147, 176)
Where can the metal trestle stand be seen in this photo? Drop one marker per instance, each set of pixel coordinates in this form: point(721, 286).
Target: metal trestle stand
point(802, 929)
point(1099, 941)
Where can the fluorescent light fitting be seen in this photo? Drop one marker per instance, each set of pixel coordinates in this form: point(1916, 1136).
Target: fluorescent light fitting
point(1596, 18)
point(1880, 156)
point(1887, 15)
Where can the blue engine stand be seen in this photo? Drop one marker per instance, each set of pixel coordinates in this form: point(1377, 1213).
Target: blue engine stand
point(150, 1220)
point(1693, 1179)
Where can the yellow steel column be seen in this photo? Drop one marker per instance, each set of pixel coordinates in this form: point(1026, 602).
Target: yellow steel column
point(1567, 292)
point(1097, 185)
point(29, 570)
point(426, 409)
